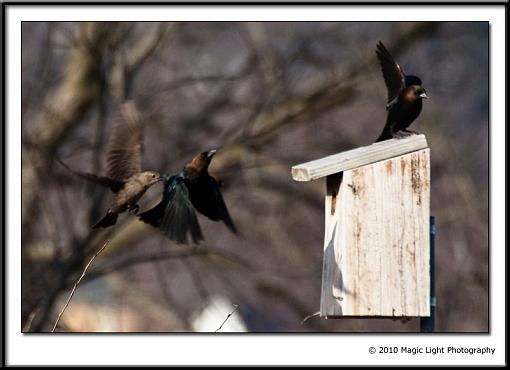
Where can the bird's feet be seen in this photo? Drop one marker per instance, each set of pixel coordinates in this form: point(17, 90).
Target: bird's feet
point(404, 133)
point(411, 132)
point(134, 208)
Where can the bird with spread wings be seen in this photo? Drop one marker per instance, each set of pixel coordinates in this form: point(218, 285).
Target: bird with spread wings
point(124, 175)
point(405, 95)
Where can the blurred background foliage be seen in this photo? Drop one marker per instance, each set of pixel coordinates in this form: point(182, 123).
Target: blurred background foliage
point(267, 96)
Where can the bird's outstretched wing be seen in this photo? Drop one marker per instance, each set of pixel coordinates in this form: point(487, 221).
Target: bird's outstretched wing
point(114, 184)
point(126, 143)
point(175, 215)
point(207, 199)
point(392, 73)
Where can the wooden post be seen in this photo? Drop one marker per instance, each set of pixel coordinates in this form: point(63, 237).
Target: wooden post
point(376, 245)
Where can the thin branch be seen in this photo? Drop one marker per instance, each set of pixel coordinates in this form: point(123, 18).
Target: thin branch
point(310, 316)
point(77, 283)
point(143, 49)
point(188, 81)
point(236, 306)
point(124, 72)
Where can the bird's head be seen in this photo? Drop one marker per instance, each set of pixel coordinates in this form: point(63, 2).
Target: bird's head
point(150, 177)
point(201, 161)
point(412, 80)
point(413, 83)
point(416, 92)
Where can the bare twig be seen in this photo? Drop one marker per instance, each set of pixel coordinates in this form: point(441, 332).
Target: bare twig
point(145, 47)
point(77, 283)
point(236, 306)
point(125, 70)
point(310, 316)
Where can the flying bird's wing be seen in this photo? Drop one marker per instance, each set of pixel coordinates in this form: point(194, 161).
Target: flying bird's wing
point(393, 75)
point(113, 184)
point(126, 143)
point(207, 199)
point(174, 215)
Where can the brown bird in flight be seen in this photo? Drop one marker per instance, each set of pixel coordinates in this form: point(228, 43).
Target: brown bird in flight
point(405, 95)
point(124, 175)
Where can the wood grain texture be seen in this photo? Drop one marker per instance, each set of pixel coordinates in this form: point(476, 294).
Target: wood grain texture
point(358, 157)
point(376, 246)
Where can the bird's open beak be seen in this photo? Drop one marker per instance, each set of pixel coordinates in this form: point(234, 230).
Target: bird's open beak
point(210, 153)
point(423, 95)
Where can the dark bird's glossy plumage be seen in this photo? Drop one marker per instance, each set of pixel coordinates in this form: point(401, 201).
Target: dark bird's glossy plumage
point(124, 175)
point(405, 94)
point(189, 190)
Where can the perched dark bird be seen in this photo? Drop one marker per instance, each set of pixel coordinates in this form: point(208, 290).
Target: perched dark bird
point(189, 190)
point(124, 174)
point(405, 94)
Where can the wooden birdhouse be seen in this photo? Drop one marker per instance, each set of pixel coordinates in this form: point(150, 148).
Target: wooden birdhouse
point(376, 243)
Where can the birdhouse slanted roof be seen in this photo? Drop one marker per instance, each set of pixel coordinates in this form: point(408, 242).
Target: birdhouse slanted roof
point(358, 157)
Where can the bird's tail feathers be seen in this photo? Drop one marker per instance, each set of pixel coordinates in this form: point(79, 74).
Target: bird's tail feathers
point(113, 184)
point(108, 220)
point(180, 219)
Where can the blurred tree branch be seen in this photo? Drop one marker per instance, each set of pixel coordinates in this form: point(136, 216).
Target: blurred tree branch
point(63, 110)
point(76, 285)
point(130, 62)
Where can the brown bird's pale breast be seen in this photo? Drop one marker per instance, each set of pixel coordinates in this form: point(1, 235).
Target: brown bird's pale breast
point(133, 190)
point(130, 194)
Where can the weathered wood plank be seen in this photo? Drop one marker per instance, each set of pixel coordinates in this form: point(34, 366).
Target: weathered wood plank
point(376, 246)
point(358, 157)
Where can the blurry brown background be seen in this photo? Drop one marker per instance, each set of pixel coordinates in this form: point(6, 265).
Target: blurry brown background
point(268, 96)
